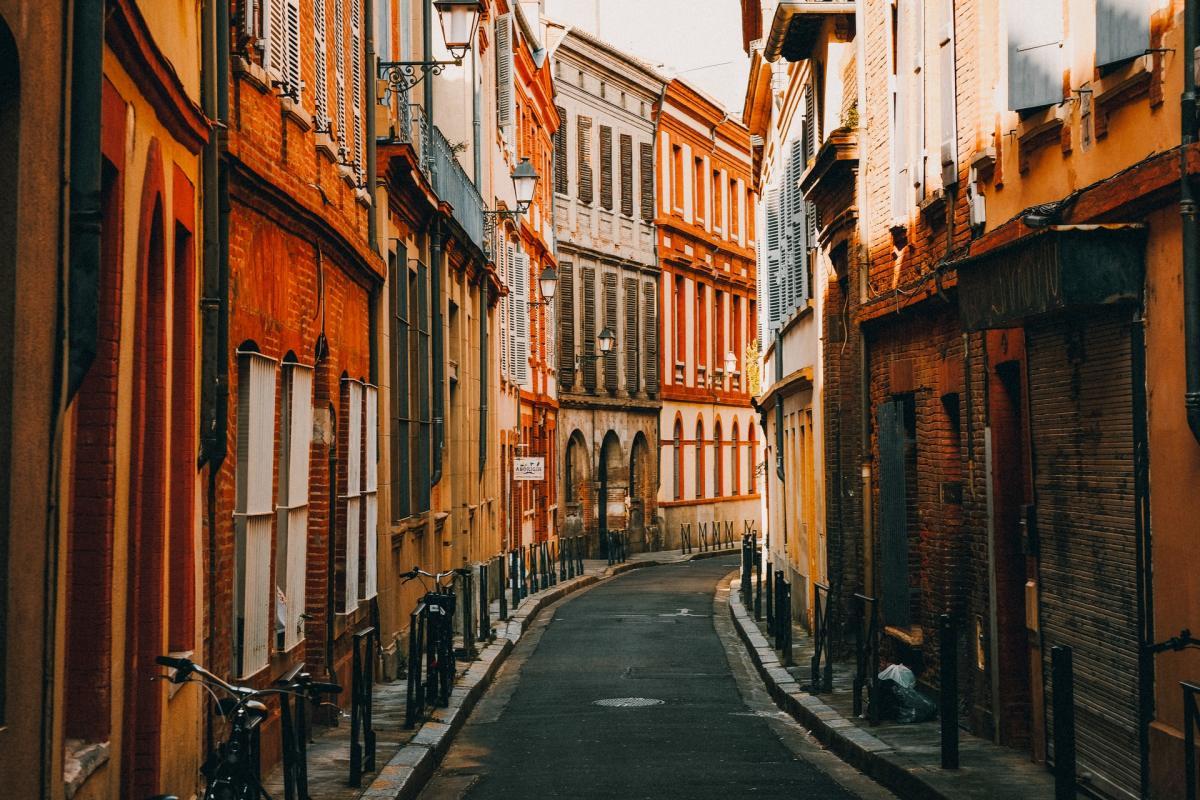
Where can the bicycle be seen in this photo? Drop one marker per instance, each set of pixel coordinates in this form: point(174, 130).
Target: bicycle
point(231, 773)
point(439, 650)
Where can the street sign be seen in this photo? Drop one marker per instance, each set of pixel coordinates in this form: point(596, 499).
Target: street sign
point(529, 468)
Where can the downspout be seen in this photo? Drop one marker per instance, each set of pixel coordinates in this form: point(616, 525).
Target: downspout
point(868, 523)
point(372, 71)
point(484, 378)
point(1187, 209)
point(779, 406)
point(435, 265)
point(476, 121)
point(83, 279)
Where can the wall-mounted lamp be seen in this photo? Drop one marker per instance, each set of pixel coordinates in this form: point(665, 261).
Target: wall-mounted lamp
point(459, 20)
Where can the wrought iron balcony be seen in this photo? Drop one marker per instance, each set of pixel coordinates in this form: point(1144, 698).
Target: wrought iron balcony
point(454, 186)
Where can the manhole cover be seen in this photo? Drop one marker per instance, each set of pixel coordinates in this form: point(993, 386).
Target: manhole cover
point(628, 702)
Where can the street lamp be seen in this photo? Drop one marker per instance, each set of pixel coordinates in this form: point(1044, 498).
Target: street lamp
point(548, 281)
point(459, 20)
point(525, 180)
point(606, 340)
point(730, 363)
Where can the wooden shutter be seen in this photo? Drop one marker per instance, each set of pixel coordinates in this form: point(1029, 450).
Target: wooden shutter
point(1034, 53)
point(561, 181)
point(275, 33)
point(587, 314)
point(646, 174)
point(606, 176)
point(292, 47)
point(584, 156)
point(504, 73)
point(893, 514)
point(339, 68)
point(566, 324)
point(370, 488)
point(650, 335)
point(292, 514)
point(774, 252)
point(321, 66)
point(1122, 30)
point(631, 335)
point(610, 322)
point(356, 85)
point(1081, 413)
point(917, 72)
point(251, 18)
point(521, 318)
point(796, 231)
point(352, 498)
point(626, 174)
point(948, 82)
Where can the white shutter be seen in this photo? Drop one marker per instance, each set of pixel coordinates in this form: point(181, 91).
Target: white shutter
point(291, 560)
point(521, 326)
point(917, 42)
point(505, 306)
point(900, 159)
point(1034, 53)
point(321, 71)
point(353, 497)
point(254, 601)
point(370, 488)
point(339, 68)
point(514, 311)
point(504, 74)
point(251, 9)
point(356, 84)
point(949, 99)
point(1122, 30)
point(774, 251)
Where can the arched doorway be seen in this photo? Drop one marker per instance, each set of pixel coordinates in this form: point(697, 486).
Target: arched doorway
point(614, 485)
point(577, 491)
point(642, 486)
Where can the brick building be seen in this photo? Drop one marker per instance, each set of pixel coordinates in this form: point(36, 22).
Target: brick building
point(604, 209)
point(708, 443)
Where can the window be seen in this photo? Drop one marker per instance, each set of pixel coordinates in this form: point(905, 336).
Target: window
point(351, 496)
point(253, 510)
point(719, 328)
point(339, 70)
point(505, 116)
point(291, 549)
point(949, 99)
point(370, 494)
point(677, 178)
point(735, 465)
point(646, 174)
point(698, 195)
point(735, 326)
point(383, 27)
point(281, 30)
point(584, 156)
point(735, 209)
point(678, 459)
point(718, 462)
point(650, 335)
point(751, 466)
point(320, 67)
point(402, 383)
point(718, 220)
point(701, 336)
point(420, 400)
point(773, 253)
point(561, 183)
point(1035, 53)
point(606, 168)
point(626, 175)
point(680, 317)
point(181, 626)
point(699, 443)
point(519, 332)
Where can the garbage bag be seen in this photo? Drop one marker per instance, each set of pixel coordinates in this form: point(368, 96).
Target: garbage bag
point(900, 674)
point(912, 706)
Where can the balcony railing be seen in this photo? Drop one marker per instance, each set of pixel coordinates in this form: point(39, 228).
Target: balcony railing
point(454, 186)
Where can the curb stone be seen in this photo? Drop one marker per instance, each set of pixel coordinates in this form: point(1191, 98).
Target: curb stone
point(411, 767)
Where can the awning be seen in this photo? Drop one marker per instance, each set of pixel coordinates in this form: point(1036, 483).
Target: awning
point(1054, 269)
point(796, 25)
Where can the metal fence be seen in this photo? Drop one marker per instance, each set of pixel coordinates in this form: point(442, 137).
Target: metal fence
point(454, 186)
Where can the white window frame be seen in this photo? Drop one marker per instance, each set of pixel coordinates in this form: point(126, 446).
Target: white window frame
point(352, 499)
point(370, 493)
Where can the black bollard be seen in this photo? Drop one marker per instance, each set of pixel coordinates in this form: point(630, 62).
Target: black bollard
point(485, 614)
point(503, 586)
point(1062, 677)
point(948, 645)
point(770, 580)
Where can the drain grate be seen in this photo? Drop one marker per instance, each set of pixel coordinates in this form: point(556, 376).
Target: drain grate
point(628, 702)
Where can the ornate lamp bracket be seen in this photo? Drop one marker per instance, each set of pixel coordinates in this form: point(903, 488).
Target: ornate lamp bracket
point(402, 76)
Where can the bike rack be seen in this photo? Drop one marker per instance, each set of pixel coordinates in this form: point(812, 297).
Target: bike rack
point(685, 538)
point(415, 697)
point(362, 752)
point(821, 641)
point(293, 719)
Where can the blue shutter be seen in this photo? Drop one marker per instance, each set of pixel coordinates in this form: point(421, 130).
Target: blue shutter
point(1122, 30)
point(1034, 53)
point(893, 514)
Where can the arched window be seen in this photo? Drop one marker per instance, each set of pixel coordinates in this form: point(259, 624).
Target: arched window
point(699, 458)
point(751, 475)
point(735, 466)
point(718, 462)
point(678, 459)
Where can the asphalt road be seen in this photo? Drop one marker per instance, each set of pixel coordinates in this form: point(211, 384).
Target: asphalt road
point(654, 634)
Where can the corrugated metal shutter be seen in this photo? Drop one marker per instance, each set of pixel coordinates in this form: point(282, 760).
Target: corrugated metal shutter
point(631, 335)
point(606, 171)
point(1035, 72)
point(650, 335)
point(646, 176)
point(561, 182)
point(1081, 423)
point(584, 155)
point(1122, 30)
point(626, 174)
point(587, 312)
point(610, 322)
point(566, 324)
point(893, 514)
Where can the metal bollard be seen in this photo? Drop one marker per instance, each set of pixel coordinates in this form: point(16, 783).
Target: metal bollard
point(515, 569)
point(1062, 677)
point(747, 555)
point(502, 584)
point(485, 612)
point(758, 583)
point(948, 646)
point(769, 582)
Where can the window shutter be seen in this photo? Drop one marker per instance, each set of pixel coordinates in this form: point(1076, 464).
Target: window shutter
point(354, 456)
point(774, 251)
point(561, 184)
point(383, 29)
point(646, 173)
point(1034, 53)
point(356, 81)
point(631, 335)
point(584, 155)
point(510, 279)
point(251, 18)
point(626, 174)
point(606, 176)
point(1122, 30)
point(339, 68)
point(275, 35)
point(521, 319)
point(292, 516)
point(796, 232)
point(504, 73)
point(610, 322)
point(370, 486)
point(294, 79)
point(949, 100)
point(566, 324)
point(321, 71)
point(505, 305)
point(587, 313)
point(650, 335)
point(919, 155)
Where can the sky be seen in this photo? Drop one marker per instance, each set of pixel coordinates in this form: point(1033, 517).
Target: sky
point(700, 41)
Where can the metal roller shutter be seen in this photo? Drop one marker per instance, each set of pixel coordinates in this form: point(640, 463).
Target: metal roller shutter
point(1081, 412)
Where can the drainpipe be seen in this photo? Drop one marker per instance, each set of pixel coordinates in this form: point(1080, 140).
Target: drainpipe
point(435, 264)
point(778, 406)
point(83, 282)
point(1187, 209)
point(484, 354)
point(477, 121)
point(868, 523)
point(372, 70)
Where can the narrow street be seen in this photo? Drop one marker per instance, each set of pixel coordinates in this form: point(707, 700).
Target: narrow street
point(655, 634)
